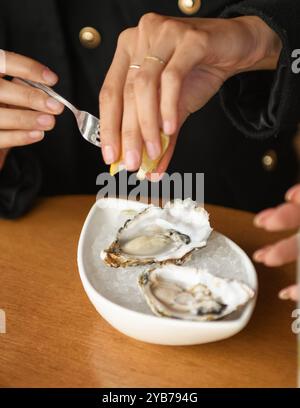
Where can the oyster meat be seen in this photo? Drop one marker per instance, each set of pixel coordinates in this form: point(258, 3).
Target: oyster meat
point(160, 235)
point(190, 293)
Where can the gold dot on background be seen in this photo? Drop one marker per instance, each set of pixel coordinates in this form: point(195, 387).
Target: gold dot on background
point(89, 37)
point(189, 7)
point(269, 160)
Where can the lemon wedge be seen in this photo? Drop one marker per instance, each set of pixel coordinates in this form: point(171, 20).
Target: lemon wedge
point(116, 167)
point(147, 165)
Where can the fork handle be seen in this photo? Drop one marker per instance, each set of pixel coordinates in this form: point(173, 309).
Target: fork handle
point(51, 93)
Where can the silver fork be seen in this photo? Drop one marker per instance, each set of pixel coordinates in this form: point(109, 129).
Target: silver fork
point(88, 125)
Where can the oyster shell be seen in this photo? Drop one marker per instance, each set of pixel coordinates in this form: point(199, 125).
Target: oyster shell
point(190, 293)
point(159, 235)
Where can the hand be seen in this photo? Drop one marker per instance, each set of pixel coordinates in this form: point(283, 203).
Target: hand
point(25, 112)
point(195, 57)
point(283, 217)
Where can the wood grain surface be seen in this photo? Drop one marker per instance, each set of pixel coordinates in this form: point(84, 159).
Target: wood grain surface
point(55, 337)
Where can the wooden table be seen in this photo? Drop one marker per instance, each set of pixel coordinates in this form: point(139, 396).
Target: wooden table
point(55, 338)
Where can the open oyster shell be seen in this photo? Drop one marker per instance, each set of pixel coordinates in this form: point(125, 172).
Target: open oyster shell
point(190, 293)
point(160, 235)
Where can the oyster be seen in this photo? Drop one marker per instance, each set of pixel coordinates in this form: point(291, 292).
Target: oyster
point(159, 235)
point(190, 293)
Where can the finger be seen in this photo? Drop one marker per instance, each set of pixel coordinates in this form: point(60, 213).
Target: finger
point(260, 217)
point(293, 194)
point(19, 82)
point(111, 100)
point(15, 138)
point(29, 97)
point(17, 65)
point(163, 164)
point(182, 62)
point(290, 293)
point(131, 130)
point(15, 119)
point(159, 172)
point(147, 85)
point(285, 216)
point(131, 134)
point(282, 252)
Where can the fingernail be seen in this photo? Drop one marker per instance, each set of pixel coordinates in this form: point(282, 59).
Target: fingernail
point(258, 221)
point(108, 154)
point(284, 294)
point(153, 150)
point(54, 105)
point(155, 177)
point(260, 218)
point(168, 127)
point(292, 192)
point(259, 255)
point(36, 134)
point(131, 160)
point(50, 77)
point(45, 120)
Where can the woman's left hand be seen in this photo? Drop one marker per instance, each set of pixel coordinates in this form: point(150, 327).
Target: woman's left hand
point(166, 68)
point(283, 217)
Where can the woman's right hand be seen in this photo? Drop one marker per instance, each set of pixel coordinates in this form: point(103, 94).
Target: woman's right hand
point(167, 68)
point(25, 112)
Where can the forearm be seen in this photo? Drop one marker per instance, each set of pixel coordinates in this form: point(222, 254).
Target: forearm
point(277, 91)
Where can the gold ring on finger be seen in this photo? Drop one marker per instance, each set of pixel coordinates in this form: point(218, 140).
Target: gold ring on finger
point(134, 66)
point(155, 58)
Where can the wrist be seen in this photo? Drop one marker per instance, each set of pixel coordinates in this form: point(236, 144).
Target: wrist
point(267, 44)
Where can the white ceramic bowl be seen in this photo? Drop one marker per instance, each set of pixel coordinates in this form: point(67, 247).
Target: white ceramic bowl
point(116, 296)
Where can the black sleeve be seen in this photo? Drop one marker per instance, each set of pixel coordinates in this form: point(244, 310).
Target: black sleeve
point(261, 103)
point(20, 178)
point(20, 181)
